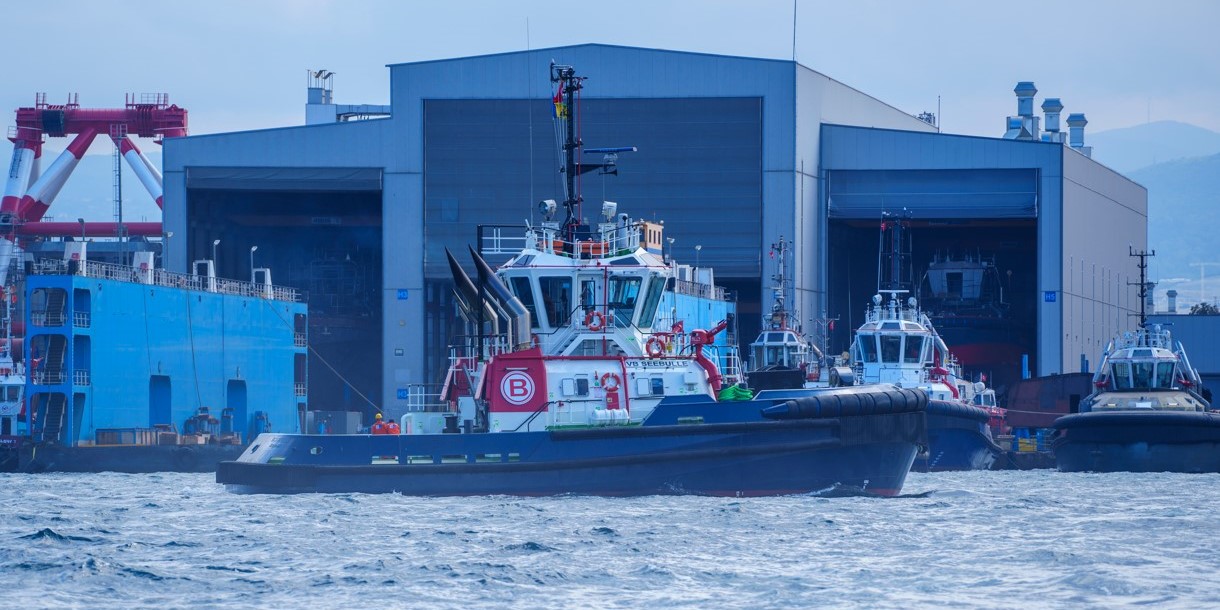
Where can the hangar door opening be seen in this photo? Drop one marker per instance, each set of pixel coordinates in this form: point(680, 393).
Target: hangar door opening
point(697, 167)
point(318, 230)
point(972, 265)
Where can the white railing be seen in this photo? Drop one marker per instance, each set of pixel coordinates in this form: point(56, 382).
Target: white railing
point(609, 240)
point(298, 339)
point(48, 378)
point(48, 318)
point(422, 399)
point(298, 389)
point(80, 377)
point(169, 279)
point(496, 241)
point(699, 289)
point(81, 319)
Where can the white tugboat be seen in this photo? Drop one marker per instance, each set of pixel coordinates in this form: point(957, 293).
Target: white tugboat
point(1148, 412)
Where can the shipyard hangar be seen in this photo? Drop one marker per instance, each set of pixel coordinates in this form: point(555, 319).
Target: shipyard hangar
point(732, 153)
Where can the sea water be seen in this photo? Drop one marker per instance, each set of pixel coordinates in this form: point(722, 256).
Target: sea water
point(1035, 539)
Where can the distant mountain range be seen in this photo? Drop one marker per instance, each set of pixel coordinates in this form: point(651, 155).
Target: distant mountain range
point(1133, 148)
point(1180, 166)
point(1183, 217)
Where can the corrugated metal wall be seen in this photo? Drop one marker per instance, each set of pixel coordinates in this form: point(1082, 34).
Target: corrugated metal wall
point(948, 193)
point(698, 168)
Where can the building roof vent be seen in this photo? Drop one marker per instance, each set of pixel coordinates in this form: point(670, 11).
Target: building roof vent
point(1014, 129)
point(1076, 123)
point(1028, 128)
point(1025, 91)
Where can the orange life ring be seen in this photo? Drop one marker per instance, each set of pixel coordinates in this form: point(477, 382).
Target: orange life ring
point(595, 320)
point(610, 382)
point(654, 347)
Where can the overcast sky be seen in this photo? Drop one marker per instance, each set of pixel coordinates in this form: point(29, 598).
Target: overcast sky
point(241, 64)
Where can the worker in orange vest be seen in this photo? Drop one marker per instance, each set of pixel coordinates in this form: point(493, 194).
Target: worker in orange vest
point(391, 427)
point(378, 426)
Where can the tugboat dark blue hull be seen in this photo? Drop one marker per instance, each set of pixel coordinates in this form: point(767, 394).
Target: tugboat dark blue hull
point(868, 454)
point(1138, 441)
point(958, 439)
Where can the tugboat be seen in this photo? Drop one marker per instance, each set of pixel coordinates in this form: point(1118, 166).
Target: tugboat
point(783, 356)
point(1148, 412)
point(898, 344)
point(572, 380)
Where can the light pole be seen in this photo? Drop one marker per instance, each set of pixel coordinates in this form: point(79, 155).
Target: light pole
point(698, 247)
point(671, 248)
point(215, 242)
point(252, 249)
point(165, 248)
point(82, 228)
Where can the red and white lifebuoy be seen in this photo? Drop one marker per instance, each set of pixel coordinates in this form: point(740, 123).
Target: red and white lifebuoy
point(654, 347)
point(595, 320)
point(610, 382)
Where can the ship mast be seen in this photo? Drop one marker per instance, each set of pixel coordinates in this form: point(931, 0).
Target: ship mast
point(894, 251)
point(780, 317)
point(1143, 284)
point(567, 85)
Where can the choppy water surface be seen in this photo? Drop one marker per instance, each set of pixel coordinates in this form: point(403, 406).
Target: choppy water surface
point(977, 539)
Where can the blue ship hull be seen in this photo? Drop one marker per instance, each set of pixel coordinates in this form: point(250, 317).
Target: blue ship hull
point(1138, 441)
point(957, 439)
point(864, 451)
point(957, 435)
point(146, 372)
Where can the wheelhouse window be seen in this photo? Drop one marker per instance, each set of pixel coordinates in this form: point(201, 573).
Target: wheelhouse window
point(556, 299)
point(624, 291)
point(1142, 374)
point(891, 346)
point(868, 348)
point(656, 286)
point(1164, 375)
point(913, 350)
point(525, 293)
point(1122, 375)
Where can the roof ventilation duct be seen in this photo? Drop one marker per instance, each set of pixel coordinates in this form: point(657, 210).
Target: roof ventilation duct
point(1024, 126)
point(1051, 107)
point(1076, 123)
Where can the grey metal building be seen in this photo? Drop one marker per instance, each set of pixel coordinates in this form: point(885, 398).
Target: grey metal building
point(733, 153)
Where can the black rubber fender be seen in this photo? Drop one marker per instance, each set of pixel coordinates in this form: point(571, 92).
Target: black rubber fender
point(848, 402)
point(957, 409)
